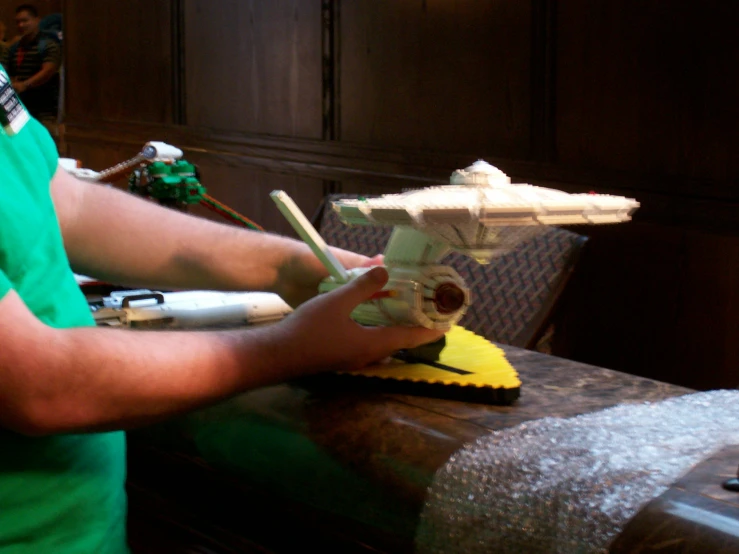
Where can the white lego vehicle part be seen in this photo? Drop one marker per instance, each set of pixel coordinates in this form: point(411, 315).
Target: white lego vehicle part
point(191, 309)
point(480, 214)
point(153, 151)
point(433, 296)
point(157, 151)
point(70, 165)
point(419, 292)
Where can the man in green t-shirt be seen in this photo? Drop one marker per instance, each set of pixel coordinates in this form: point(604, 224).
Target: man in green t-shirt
point(67, 388)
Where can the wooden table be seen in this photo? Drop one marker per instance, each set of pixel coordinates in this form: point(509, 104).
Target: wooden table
point(292, 466)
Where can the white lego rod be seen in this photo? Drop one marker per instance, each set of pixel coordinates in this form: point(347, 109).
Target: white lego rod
point(308, 233)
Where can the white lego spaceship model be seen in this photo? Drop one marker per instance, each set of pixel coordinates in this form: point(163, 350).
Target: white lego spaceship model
point(482, 214)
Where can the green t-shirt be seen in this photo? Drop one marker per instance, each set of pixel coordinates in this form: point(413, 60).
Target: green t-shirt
point(65, 493)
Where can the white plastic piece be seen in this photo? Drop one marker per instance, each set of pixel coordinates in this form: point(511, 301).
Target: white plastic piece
point(68, 164)
point(410, 247)
point(308, 233)
point(84, 174)
point(82, 280)
point(160, 151)
point(191, 309)
point(480, 173)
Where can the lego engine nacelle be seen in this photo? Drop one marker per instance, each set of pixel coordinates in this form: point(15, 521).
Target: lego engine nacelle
point(432, 296)
point(419, 291)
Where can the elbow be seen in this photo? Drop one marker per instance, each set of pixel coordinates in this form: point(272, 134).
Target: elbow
point(31, 429)
point(30, 423)
point(36, 418)
point(28, 427)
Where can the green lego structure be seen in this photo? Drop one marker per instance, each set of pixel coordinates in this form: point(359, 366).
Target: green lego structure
point(173, 184)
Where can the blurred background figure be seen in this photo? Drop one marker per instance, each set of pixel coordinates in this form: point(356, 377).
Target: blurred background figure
point(3, 44)
point(52, 23)
point(33, 63)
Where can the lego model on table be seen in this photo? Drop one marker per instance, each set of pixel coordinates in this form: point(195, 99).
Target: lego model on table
point(480, 214)
point(160, 173)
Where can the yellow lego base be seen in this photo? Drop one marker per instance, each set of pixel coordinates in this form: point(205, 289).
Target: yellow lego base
point(470, 368)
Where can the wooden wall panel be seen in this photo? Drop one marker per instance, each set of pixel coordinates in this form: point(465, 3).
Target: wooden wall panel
point(707, 323)
point(247, 191)
point(437, 75)
point(99, 156)
point(656, 301)
point(119, 60)
point(373, 187)
point(645, 87)
point(254, 66)
point(623, 303)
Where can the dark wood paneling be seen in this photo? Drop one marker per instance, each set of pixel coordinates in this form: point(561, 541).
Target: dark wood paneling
point(624, 298)
point(254, 66)
point(99, 155)
point(707, 325)
point(247, 191)
point(543, 79)
point(119, 62)
point(649, 87)
point(656, 301)
point(437, 75)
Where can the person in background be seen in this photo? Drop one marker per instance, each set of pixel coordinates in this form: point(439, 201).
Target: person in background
point(52, 23)
point(33, 64)
point(5, 43)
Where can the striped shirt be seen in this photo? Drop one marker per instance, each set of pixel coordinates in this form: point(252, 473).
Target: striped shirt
point(23, 61)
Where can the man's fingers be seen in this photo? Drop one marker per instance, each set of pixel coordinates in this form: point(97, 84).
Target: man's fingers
point(400, 337)
point(362, 288)
point(412, 337)
point(373, 261)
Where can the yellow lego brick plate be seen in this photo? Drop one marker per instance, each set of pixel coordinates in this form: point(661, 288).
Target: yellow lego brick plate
point(469, 368)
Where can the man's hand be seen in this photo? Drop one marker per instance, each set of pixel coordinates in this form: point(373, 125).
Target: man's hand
point(19, 86)
point(301, 274)
point(321, 336)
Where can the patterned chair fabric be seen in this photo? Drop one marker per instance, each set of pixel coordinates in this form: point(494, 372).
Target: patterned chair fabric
point(513, 297)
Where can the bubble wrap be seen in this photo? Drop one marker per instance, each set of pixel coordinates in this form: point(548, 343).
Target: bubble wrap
point(570, 485)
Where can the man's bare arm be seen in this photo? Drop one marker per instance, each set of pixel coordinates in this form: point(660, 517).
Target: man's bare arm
point(47, 71)
point(89, 379)
point(113, 235)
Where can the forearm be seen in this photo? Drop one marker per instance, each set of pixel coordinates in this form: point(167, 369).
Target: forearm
point(88, 379)
point(103, 379)
point(125, 239)
point(40, 78)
